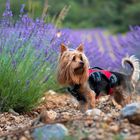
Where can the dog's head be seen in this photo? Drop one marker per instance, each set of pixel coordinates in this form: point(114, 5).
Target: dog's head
point(72, 66)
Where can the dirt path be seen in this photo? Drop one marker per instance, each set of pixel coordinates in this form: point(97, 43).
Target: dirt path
point(63, 107)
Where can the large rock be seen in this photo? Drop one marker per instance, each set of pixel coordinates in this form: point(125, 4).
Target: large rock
point(50, 132)
point(132, 113)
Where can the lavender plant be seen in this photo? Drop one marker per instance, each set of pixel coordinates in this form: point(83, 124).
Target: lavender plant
point(28, 57)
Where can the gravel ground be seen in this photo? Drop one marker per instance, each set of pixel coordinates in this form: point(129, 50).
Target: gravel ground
point(64, 109)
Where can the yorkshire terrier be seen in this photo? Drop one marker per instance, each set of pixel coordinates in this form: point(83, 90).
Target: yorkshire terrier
point(86, 84)
point(72, 71)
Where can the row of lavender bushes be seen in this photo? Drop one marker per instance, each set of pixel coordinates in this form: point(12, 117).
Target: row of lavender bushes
point(29, 51)
point(104, 49)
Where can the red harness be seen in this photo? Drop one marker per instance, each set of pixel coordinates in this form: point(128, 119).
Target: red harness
point(104, 72)
point(94, 78)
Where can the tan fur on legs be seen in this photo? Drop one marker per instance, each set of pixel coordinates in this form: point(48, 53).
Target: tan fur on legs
point(89, 95)
point(92, 100)
point(121, 96)
point(90, 104)
point(83, 106)
point(116, 104)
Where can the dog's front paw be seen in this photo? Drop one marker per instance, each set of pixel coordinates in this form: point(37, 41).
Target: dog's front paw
point(118, 106)
point(83, 107)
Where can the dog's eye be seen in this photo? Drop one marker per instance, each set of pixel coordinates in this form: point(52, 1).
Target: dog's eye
point(73, 59)
point(81, 58)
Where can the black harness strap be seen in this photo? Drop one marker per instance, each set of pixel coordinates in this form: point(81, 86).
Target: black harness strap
point(96, 82)
point(74, 91)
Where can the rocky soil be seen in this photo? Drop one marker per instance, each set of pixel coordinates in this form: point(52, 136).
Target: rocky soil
point(104, 123)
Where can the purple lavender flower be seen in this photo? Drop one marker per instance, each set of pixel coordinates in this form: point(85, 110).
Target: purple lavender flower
point(22, 9)
point(8, 12)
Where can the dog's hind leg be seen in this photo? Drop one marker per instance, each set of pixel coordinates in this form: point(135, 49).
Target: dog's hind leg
point(121, 96)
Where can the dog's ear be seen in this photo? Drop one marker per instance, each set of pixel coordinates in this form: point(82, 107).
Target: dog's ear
point(80, 48)
point(63, 48)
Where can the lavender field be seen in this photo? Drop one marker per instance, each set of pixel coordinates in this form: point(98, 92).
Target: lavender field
point(104, 49)
point(30, 48)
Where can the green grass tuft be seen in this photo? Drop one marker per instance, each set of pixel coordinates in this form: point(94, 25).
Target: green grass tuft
point(23, 78)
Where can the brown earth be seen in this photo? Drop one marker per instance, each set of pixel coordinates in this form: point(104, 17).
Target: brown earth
point(63, 108)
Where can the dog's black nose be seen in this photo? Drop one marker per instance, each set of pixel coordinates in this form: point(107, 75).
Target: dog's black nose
point(81, 63)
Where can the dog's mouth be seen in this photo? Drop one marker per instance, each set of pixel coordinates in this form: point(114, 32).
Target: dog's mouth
point(79, 70)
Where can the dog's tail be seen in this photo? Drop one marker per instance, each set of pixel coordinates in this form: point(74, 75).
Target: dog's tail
point(134, 62)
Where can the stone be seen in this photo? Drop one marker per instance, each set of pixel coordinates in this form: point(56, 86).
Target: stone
point(13, 112)
point(23, 138)
point(96, 118)
point(74, 102)
point(134, 137)
point(132, 113)
point(52, 114)
point(125, 132)
point(108, 118)
point(114, 128)
point(49, 132)
point(88, 123)
point(42, 99)
point(65, 115)
point(47, 116)
point(94, 112)
point(51, 92)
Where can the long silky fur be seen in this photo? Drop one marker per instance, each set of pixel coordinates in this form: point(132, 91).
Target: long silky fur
point(135, 64)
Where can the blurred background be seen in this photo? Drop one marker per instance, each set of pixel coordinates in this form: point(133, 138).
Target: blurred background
point(115, 15)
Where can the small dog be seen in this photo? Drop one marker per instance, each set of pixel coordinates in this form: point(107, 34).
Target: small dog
point(87, 84)
point(73, 71)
